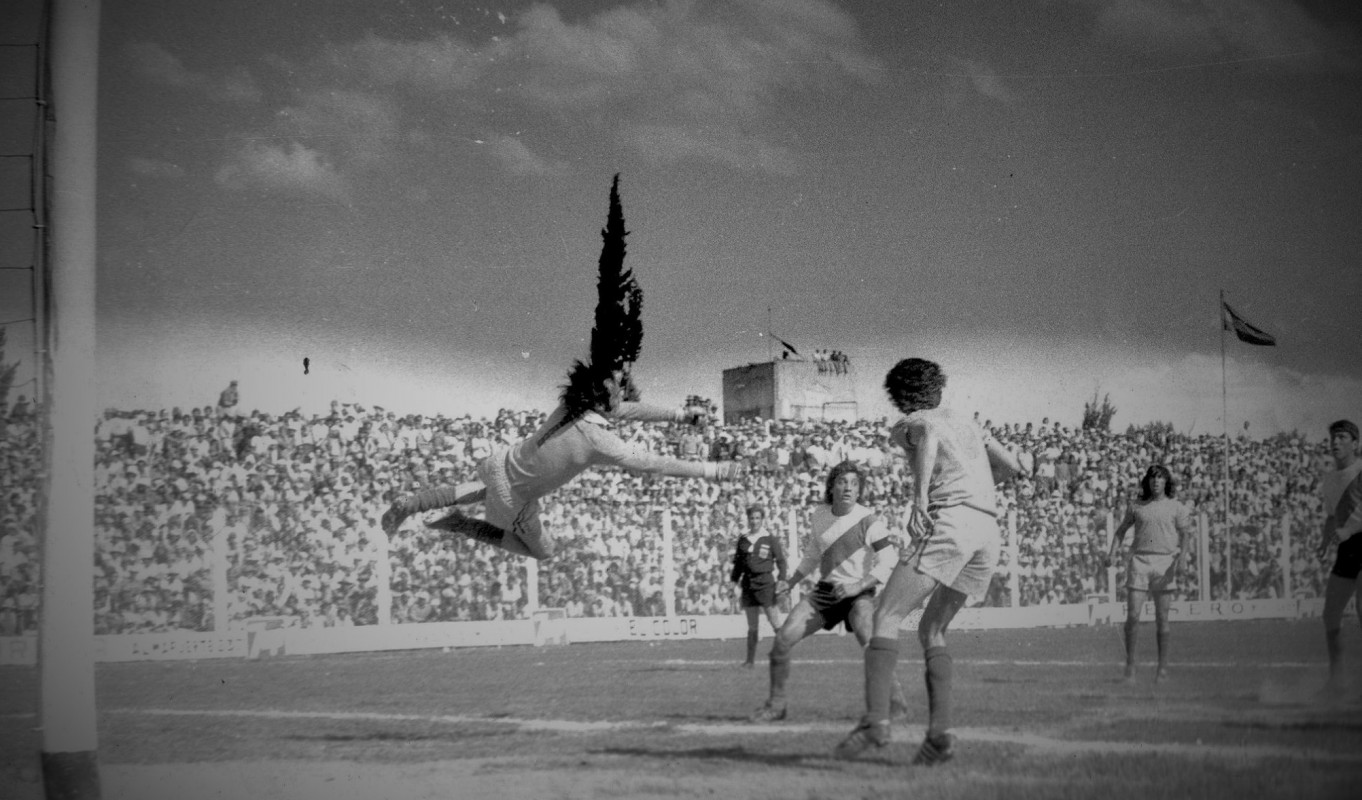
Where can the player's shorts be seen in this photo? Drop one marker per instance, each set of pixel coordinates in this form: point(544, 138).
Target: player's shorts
point(962, 550)
point(1152, 572)
point(506, 509)
point(1348, 562)
point(832, 611)
point(758, 590)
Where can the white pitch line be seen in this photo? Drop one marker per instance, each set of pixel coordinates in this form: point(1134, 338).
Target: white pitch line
point(993, 662)
point(909, 733)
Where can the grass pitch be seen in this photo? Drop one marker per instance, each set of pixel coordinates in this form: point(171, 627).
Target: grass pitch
point(1039, 713)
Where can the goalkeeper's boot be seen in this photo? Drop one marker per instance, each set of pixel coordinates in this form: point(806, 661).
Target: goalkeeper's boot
point(865, 736)
point(937, 748)
point(393, 518)
point(770, 712)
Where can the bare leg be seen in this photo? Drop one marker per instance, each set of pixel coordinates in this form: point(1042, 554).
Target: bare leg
point(773, 617)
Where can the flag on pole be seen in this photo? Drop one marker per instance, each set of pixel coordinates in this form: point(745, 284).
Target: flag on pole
point(1245, 330)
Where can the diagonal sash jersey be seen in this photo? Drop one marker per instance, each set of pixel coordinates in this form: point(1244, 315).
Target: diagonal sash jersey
point(849, 547)
point(1342, 490)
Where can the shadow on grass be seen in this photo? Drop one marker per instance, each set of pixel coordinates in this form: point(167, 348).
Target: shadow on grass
point(399, 736)
point(726, 719)
point(734, 667)
point(742, 755)
point(1353, 724)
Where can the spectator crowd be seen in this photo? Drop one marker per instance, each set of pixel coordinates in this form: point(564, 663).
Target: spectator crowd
point(295, 499)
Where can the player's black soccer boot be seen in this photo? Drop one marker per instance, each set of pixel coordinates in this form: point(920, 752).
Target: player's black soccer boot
point(865, 736)
point(769, 713)
point(937, 748)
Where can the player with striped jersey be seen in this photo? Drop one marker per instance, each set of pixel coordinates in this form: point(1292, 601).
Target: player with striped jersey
point(853, 554)
point(1341, 489)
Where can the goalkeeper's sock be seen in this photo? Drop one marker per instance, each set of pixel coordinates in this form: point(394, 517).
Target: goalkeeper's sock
point(881, 656)
point(430, 499)
point(1333, 640)
point(940, 668)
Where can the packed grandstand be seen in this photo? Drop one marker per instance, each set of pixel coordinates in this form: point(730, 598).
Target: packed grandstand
point(296, 501)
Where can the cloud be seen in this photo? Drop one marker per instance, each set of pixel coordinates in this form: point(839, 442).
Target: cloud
point(439, 64)
point(154, 63)
point(346, 134)
point(1275, 32)
point(356, 127)
point(704, 78)
point(661, 144)
point(518, 158)
point(707, 77)
point(292, 168)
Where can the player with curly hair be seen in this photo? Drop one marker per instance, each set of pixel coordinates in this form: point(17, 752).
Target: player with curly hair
point(954, 525)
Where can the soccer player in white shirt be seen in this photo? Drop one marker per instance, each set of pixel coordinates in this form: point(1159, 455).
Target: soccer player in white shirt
point(853, 555)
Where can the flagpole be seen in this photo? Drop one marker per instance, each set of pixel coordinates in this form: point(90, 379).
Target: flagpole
point(770, 356)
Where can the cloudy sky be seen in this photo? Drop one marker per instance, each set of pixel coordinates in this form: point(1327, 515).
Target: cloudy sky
point(1048, 197)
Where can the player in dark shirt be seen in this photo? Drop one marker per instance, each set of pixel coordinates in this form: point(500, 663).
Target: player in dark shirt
point(758, 564)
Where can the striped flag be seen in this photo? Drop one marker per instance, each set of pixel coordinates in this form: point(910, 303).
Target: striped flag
point(1245, 330)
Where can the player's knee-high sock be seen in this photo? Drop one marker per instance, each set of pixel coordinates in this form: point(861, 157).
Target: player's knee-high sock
point(1333, 639)
point(752, 638)
point(1132, 634)
point(881, 655)
point(431, 499)
point(1162, 637)
point(780, 672)
point(940, 667)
